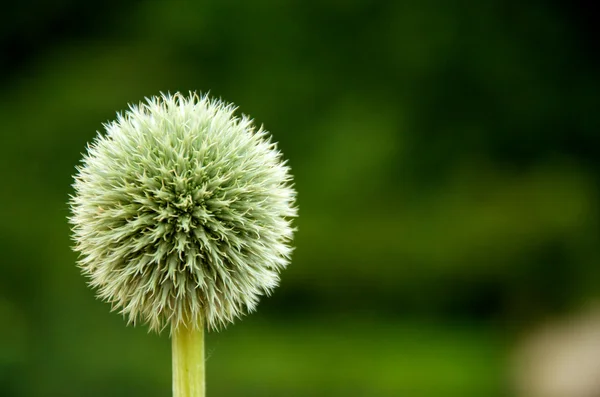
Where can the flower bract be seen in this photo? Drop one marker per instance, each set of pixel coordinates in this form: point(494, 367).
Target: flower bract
point(182, 213)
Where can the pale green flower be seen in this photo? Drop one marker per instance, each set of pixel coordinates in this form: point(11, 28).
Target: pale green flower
point(182, 213)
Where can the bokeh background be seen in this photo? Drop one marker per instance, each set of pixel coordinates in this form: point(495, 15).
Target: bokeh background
point(446, 155)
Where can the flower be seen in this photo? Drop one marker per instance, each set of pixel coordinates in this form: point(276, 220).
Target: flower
point(182, 213)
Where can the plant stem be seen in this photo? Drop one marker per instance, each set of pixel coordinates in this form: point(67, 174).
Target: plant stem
point(188, 362)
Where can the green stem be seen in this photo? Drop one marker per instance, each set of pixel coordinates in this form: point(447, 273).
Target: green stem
point(188, 362)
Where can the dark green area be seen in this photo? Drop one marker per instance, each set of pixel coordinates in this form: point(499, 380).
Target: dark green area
point(445, 155)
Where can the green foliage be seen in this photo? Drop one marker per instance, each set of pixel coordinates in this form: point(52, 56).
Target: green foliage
point(445, 155)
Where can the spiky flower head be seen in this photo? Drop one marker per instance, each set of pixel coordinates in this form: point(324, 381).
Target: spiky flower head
point(182, 213)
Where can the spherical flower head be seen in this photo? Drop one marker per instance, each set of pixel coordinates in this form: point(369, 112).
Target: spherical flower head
point(182, 213)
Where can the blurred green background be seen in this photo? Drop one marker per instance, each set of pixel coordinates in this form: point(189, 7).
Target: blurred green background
point(446, 156)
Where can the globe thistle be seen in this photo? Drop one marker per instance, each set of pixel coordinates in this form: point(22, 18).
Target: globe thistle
point(182, 213)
